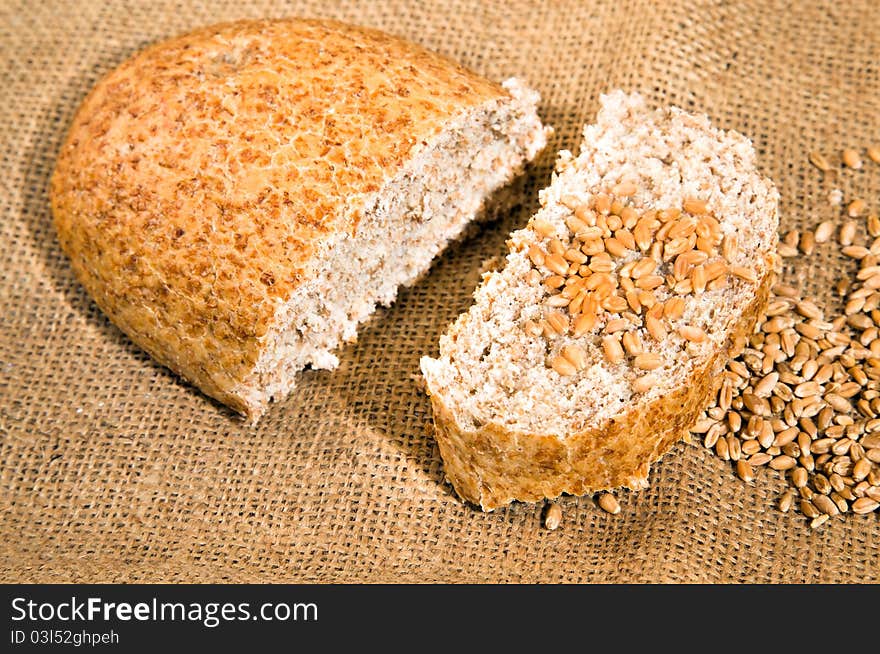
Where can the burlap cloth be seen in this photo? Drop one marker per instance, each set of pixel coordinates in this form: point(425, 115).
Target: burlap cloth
point(114, 470)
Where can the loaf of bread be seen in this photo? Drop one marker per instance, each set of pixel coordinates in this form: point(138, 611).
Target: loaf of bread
point(238, 199)
point(593, 350)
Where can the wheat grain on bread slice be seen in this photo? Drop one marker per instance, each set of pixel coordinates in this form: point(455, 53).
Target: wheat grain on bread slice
point(238, 199)
point(511, 426)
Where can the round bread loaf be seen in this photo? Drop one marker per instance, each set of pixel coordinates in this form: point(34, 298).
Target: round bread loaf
point(239, 198)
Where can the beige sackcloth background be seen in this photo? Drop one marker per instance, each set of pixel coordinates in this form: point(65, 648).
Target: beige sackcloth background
point(112, 469)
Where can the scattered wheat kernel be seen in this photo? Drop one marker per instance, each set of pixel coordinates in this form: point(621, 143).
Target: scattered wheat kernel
point(819, 160)
point(715, 269)
point(856, 208)
point(743, 273)
point(632, 299)
point(649, 282)
point(553, 516)
point(533, 277)
point(851, 158)
point(629, 217)
point(584, 322)
point(647, 299)
point(734, 421)
point(614, 247)
point(543, 227)
point(847, 232)
point(728, 247)
point(536, 254)
point(766, 385)
point(563, 366)
point(616, 325)
point(648, 361)
point(691, 333)
point(557, 264)
point(799, 477)
point(785, 437)
point(557, 321)
point(808, 509)
point(644, 383)
point(871, 442)
point(734, 448)
point(614, 303)
point(675, 248)
point(808, 242)
point(655, 328)
point(591, 234)
point(867, 272)
point(574, 255)
point(783, 462)
point(673, 308)
point(555, 246)
point(745, 470)
point(557, 301)
point(583, 211)
point(786, 501)
point(864, 505)
point(625, 189)
point(681, 229)
point(632, 343)
point(602, 204)
point(612, 348)
point(722, 450)
point(818, 521)
point(554, 281)
point(825, 504)
point(575, 224)
point(787, 251)
point(824, 231)
point(861, 469)
point(698, 279)
point(609, 503)
point(712, 436)
point(855, 252)
point(571, 202)
point(695, 206)
point(575, 355)
point(531, 328)
point(874, 153)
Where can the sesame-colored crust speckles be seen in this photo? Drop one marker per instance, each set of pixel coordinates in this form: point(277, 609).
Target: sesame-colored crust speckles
point(200, 178)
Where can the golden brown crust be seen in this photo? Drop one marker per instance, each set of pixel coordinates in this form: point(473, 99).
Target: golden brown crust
point(495, 466)
point(201, 177)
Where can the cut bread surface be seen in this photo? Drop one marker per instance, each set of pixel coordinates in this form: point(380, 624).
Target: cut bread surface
point(408, 223)
point(563, 374)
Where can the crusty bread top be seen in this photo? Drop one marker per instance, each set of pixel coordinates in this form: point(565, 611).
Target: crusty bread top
point(200, 178)
point(492, 370)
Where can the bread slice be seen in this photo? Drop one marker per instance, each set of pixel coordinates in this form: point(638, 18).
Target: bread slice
point(596, 346)
point(238, 199)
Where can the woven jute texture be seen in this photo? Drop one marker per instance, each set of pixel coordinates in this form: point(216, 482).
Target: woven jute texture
point(112, 469)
